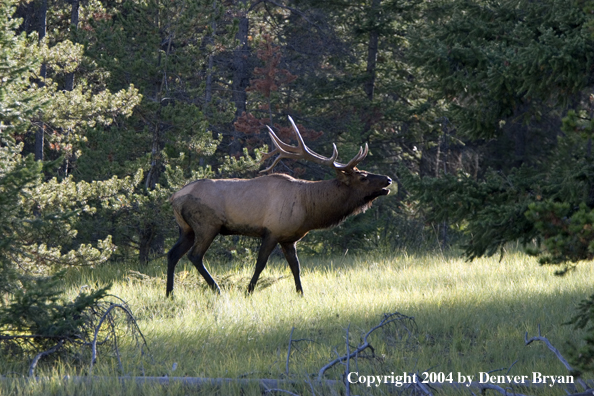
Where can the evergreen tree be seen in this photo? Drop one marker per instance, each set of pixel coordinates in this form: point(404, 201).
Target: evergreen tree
point(39, 217)
point(500, 66)
point(162, 47)
point(508, 72)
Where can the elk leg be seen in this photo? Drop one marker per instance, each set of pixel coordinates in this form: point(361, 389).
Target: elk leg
point(183, 244)
point(290, 251)
point(200, 247)
point(268, 245)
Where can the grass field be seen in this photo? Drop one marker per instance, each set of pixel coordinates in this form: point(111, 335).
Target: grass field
point(470, 317)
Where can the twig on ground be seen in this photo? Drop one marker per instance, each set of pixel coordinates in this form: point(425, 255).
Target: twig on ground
point(556, 352)
point(311, 387)
point(348, 360)
point(388, 318)
point(289, 350)
point(423, 388)
point(42, 354)
point(510, 367)
point(270, 390)
point(108, 316)
point(112, 326)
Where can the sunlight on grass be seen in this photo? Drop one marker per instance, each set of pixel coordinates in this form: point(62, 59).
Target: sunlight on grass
point(471, 316)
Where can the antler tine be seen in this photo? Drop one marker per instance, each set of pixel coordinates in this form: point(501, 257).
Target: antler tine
point(280, 148)
point(271, 166)
point(325, 161)
point(280, 144)
point(356, 159)
point(300, 152)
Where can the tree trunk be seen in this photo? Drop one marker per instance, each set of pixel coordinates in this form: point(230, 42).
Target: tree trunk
point(211, 41)
point(147, 234)
point(446, 150)
point(520, 137)
point(241, 71)
point(372, 49)
point(150, 239)
point(69, 85)
point(42, 27)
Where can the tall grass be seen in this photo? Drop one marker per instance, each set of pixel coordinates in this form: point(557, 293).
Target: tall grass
point(471, 317)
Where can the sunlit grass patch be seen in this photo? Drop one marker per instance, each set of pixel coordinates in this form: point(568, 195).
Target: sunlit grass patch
point(471, 316)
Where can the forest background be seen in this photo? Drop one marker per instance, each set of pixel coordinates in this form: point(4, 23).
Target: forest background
point(480, 110)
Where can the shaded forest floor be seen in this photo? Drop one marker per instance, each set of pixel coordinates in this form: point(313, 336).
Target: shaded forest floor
point(470, 317)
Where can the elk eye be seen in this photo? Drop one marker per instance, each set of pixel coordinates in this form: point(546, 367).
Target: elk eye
point(363, 178)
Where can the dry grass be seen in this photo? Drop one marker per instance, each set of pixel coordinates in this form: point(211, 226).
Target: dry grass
point(471, 317)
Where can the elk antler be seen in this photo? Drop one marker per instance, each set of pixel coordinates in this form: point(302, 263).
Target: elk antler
point(303, 152)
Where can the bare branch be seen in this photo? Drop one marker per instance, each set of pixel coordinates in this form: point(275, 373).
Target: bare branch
point(347, 368)
point(510, 367)
point(311, 387)
point(42, 354)
point(423, 388)
point(107, 316)
point(393, 317)
point(556, 352)
point(289, 351)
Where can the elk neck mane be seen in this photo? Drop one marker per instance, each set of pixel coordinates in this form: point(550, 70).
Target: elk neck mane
point(329, 202)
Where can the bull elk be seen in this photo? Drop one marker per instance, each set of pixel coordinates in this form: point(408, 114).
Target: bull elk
point(277, 208)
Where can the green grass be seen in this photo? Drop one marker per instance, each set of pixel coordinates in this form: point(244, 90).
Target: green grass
point(471, 317)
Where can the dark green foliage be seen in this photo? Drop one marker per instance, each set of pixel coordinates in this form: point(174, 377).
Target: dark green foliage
point(501, 66)
point(489, 212)
point(583, 358)
point(38, 217)
point(38, 308)
point(160, 48)
point(495, 61)
point(508, 71)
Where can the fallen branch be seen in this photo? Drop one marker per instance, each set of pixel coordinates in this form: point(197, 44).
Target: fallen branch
point(347, 369)
point(265, 383)
point(277, 384)
point(388, 318)
point(423, 388)
point(107, 315)
point(289, 351)
point(267, 391)
point(556, 352)
point(42, 354)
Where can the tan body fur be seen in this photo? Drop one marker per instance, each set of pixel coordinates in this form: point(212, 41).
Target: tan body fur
point(277, 208)
point(248, 206)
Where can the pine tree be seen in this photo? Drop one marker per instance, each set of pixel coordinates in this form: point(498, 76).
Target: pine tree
point(163, 49)
point(39, 216)
point(500, 67)
point(508, 71)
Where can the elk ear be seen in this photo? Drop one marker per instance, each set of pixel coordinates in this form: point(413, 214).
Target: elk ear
point(343, 177)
